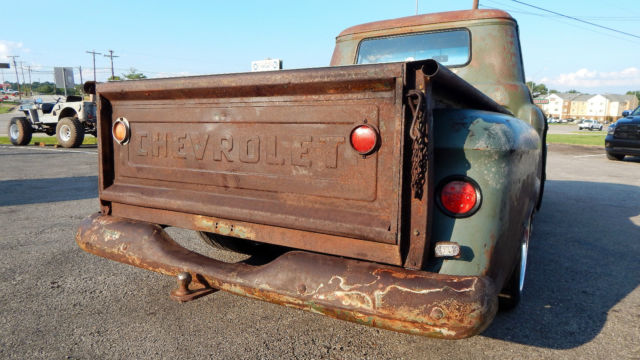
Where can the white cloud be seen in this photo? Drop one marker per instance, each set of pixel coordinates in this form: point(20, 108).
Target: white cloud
point(585, 78)
point(8, 48)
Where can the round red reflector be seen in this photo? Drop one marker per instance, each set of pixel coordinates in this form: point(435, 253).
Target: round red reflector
point(458, 197)
point(364, 139)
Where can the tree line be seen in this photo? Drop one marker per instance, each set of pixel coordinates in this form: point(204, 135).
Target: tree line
point(49, 88)
point(541, 90)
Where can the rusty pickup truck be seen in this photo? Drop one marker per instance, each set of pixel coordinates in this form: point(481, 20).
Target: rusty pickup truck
point(395, 188)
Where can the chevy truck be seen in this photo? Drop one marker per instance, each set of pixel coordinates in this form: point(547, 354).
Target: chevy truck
point(396, 188)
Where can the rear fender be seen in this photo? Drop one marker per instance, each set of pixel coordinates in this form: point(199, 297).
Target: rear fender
point(501, 153)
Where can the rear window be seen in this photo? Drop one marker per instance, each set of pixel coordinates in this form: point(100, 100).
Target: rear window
point(450, 48)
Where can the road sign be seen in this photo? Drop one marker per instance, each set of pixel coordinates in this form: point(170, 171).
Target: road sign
point(64, 77)
point(4, 65)
point(266, 65)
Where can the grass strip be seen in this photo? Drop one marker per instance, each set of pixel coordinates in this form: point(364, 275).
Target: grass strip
point(48, 140)
point(577, 139)
point(6, 108)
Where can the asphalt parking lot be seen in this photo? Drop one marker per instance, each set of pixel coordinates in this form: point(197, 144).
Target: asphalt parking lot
point(582, 296)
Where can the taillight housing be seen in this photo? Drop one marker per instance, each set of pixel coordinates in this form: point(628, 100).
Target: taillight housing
point(458, 196)
point(364, 139)
point(120, 131)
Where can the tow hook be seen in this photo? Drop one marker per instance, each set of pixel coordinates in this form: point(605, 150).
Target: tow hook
point(184, 294)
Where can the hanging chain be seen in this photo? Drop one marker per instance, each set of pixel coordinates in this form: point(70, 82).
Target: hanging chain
point(418, 132)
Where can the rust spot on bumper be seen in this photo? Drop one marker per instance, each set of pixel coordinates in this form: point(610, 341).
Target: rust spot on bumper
point(387, 297)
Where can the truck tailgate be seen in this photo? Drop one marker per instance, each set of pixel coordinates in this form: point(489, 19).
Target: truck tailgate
point(262, 149)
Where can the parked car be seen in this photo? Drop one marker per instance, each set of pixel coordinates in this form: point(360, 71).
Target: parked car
point(590, 125)
point(623, 136)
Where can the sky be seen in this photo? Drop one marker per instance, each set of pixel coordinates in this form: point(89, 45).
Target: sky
point(173, 38)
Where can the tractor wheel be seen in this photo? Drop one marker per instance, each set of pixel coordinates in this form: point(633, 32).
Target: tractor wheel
point(20, 131)
point(70, 132)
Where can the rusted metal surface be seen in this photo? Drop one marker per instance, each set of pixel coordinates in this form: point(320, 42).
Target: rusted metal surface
point(270, 149)
point(387, 297)
point(435, 18)
point(186, 292)
point(419, 193)
point(451, 90)
point(328, 244)
point(495, 66)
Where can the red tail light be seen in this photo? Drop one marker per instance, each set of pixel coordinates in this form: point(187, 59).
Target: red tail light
point(459, 196)
point(364, 139)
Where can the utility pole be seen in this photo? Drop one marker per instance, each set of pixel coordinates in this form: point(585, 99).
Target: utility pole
point(81, 83)
point(111, 56)
point(30, 83)
point(94, 53)
point(23, 79)
point(15, 66)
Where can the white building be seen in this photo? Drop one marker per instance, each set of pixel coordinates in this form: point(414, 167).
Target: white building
point(559, 105)
point(597, 107)
point(620, 103)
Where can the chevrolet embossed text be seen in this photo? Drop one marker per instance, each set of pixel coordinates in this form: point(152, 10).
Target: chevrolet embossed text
point(269, 149)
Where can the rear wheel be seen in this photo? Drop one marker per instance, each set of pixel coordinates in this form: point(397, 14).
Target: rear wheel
point(70, 132)
point(511, 293)
point(20, 131)
point(618, 157)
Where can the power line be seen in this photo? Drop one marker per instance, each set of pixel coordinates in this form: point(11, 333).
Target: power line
point(569, 22)
point(576, 19)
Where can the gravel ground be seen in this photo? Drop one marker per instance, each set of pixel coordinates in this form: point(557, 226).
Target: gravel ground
point(581, 301)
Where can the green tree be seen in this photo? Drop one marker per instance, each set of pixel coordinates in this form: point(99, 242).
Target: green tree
point(635, 92)
point(134, 75)
point(573, 91)
point(45, 88)
point(537, 89)
point(114, 78)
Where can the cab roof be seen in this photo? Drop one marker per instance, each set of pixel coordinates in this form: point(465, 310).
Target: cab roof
point(435, 18)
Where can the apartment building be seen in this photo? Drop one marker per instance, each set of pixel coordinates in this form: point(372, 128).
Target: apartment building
point(602, 107)
point(579, 106)
point(620, 103)
point(559, 105)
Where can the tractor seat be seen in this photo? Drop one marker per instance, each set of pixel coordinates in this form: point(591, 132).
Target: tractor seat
point(47, 107)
